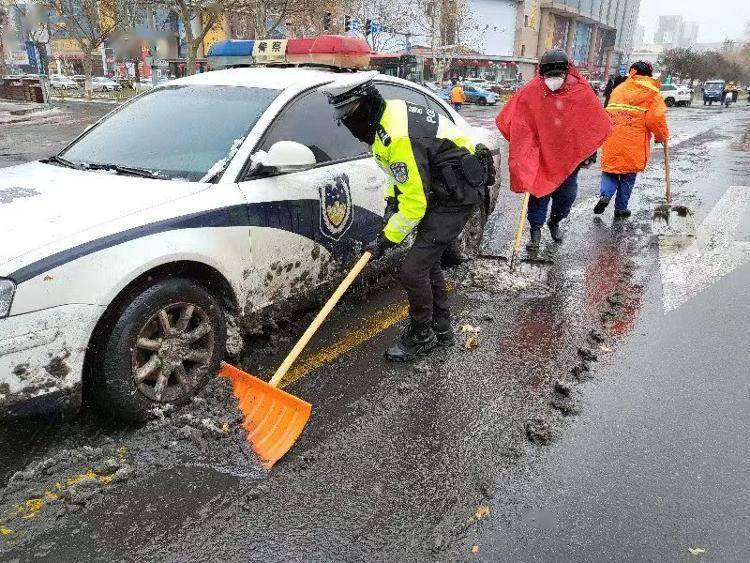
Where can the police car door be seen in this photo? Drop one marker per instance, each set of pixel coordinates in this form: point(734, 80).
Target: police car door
point(306, 226)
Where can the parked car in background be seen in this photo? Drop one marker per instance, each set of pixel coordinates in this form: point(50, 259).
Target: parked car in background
point(61, 82)
point(676, 95)
point(475, 94)
point(104, 84)
point(79, 78)
point(443, 93)
point(713, 91)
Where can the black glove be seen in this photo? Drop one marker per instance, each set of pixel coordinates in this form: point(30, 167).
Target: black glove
point(378, 247)
point(589, 161)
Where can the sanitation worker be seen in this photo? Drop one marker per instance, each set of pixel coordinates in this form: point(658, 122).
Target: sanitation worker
point(554, 124)
point(457, 96)
point(638, 111)
point(438, 177)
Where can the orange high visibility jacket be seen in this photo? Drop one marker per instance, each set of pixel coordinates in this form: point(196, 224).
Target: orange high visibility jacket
point(457, 95)
point(637, 111)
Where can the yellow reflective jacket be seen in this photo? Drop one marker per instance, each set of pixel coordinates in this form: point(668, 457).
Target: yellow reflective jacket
point(411, 144)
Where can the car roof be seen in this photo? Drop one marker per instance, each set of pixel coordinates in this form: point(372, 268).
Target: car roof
point(279, 78)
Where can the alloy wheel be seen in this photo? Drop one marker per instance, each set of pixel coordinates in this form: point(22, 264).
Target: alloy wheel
point(172, 351)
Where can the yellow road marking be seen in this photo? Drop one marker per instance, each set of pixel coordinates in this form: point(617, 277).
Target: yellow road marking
point(382, 320)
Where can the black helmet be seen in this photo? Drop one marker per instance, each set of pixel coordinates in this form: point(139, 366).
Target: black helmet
point(644, 68)
point(553, 61)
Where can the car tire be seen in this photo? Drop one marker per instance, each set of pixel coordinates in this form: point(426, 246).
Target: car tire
point(469, 243)
point(175, 323)
point(482, 102)
point(669, 102)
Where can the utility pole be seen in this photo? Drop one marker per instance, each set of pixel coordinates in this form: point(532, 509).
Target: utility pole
point(152, 44)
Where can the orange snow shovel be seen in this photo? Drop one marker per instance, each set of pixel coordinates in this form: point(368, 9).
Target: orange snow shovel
point(274, 419)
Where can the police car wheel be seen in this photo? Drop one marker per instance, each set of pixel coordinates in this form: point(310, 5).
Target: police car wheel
point(160, 349)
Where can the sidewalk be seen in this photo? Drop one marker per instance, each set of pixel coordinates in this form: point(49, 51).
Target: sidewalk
point(15, 112)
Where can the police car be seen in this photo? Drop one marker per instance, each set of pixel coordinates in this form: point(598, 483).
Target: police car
point(128, 257)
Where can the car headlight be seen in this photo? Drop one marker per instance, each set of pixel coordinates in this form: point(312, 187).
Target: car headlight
point(7, 289)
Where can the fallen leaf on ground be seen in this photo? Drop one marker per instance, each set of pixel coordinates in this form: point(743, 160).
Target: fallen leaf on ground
point(225, 428)
point(5, 531)
point(475, 548)
point(471, 342)
point(696, 550)
point(470, 329)
point(481, 512)
point(605, 348)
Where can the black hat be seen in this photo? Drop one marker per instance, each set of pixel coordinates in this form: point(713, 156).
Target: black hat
point(555, 60)
point(644, 68)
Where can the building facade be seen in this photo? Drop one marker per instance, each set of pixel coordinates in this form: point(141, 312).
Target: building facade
point(596, 34)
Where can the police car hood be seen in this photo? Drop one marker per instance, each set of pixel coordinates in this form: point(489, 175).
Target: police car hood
point(46, 208)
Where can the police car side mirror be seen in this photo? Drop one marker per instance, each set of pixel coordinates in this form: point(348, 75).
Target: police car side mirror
point(286, 156)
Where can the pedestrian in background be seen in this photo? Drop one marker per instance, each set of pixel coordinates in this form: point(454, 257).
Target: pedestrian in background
point(612, 83)
point(554, 124)
point(458, 97)
point(638, 111)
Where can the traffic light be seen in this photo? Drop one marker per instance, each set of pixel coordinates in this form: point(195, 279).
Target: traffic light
point(368, 27)
point(347, 24)
point(327, 20)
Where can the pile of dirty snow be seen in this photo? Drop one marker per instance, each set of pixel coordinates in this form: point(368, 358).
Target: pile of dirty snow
point(491, 275)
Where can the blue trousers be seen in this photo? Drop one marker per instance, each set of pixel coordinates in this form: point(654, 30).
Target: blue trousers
point(457, 106)
point(622, 184)
point(562, 200)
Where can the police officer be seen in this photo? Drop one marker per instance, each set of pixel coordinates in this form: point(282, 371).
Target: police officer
point(437, 180)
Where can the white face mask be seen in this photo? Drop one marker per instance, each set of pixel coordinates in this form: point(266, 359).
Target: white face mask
point(554, 82)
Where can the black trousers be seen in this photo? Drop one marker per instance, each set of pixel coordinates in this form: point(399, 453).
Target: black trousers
point(421, 274)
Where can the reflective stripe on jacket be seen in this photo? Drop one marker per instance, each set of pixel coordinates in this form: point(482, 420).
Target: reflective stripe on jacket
point(412, 142)
point(457, 95)
point(637, 110)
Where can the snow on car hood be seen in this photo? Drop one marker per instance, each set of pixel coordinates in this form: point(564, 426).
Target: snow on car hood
point(43, 205)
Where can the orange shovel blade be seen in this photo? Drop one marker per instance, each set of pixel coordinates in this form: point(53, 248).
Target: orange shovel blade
point(274, 419)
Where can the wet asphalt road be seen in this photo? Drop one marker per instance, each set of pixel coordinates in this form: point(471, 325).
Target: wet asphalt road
point(475, 454)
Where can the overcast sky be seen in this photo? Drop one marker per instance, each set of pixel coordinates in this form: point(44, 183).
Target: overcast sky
point(718, 19)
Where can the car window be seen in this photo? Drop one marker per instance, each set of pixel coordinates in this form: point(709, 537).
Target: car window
point(438, 107)
point(310, 120)
point(396, 92)
point(179, 131)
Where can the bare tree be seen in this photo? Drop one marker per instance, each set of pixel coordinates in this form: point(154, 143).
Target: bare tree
point(4, 20)
point(447, 25)
point(390, 15)
point(89, 22)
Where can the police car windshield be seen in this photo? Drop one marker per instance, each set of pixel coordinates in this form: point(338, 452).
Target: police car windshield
point(178, 132)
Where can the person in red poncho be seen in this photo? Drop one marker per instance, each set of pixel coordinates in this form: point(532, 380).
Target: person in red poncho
point(554, 125)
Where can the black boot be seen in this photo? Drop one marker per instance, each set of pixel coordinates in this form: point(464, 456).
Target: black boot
point(555, 230)
point(441, 325)
point(535, 240)
point(601, 205)
point(415, 341)
point(622, 213)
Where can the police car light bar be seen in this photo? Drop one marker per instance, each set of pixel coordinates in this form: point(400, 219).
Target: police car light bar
point(339, 51)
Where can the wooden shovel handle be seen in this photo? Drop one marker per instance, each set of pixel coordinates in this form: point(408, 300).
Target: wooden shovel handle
point(521, 223)
point(667, 175)
point(319, 319)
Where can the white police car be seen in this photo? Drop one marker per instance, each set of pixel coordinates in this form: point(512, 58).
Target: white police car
point(124, 258)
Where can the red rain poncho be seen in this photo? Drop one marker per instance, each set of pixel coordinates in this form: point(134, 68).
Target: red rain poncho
point(551, 133)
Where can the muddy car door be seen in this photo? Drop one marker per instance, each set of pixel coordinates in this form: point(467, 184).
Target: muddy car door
point(306, 226)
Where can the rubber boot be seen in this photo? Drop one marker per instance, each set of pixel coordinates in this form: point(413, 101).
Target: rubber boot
point(415, 341)
point(622, 213)
point(535, 240)
point(554, 230)
point(441, 326)
point(601, 205)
